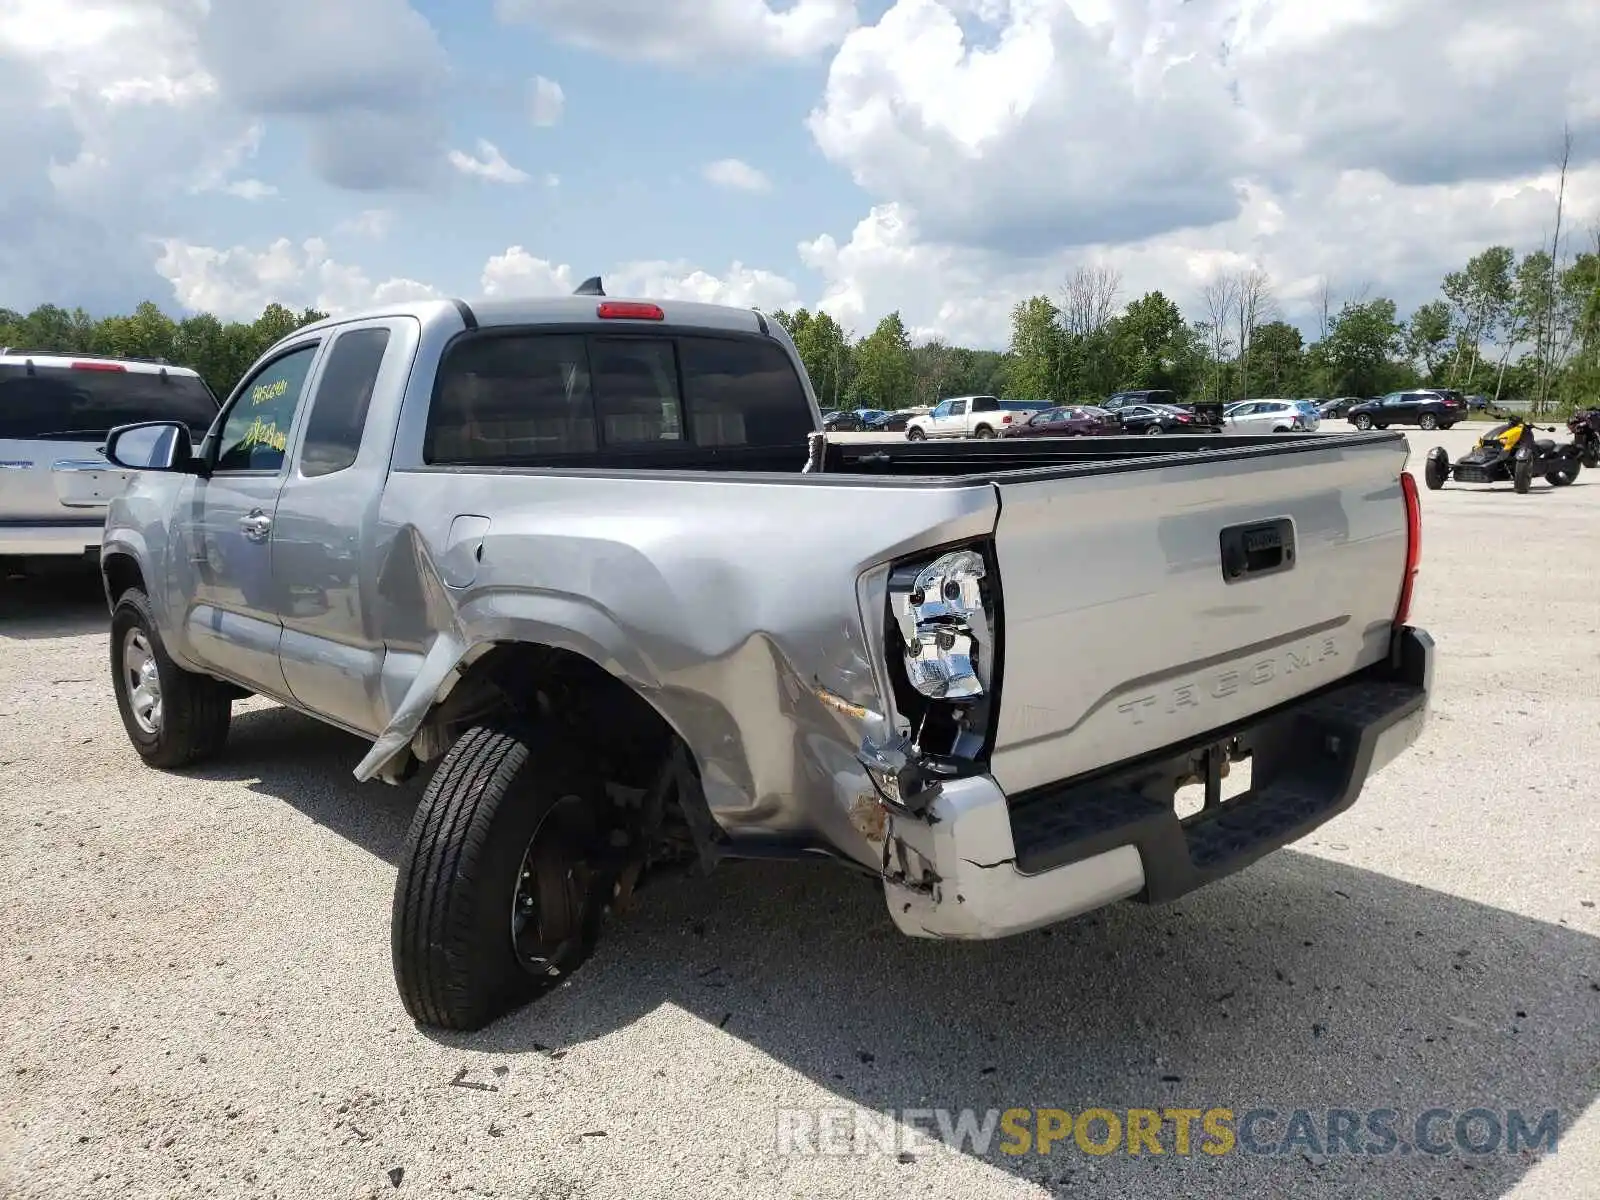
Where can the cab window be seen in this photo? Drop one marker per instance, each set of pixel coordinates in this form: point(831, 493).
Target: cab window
point(255, 435)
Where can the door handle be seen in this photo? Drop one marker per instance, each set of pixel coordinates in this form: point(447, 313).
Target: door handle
point(256, 525)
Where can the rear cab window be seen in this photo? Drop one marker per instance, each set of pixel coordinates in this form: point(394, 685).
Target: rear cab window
point(530, 398)
point(63, 403)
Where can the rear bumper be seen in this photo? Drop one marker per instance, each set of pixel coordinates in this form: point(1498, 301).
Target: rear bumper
point(1005, 866)
point(72, 538)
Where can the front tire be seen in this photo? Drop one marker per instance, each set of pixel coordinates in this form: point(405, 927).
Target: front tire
point(499, 896)
point(1522, 474)
point(915, 434)
point(1363, 422)
point(1434, 472)
point(173, 717)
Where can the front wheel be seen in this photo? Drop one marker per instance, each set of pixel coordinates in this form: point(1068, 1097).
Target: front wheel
point(173, 717)
point(500, 890)
point(1434, 472)
point(1522, 474)
point(915, 434)
point(1428, 421)
point(1363, 422)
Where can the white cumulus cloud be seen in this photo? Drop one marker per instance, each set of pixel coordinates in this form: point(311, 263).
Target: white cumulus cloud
point(488, 164)
point(546, 101)
point(736, 175)
point(690, 31)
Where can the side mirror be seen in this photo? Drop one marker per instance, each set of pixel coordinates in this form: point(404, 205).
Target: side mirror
point(152, 446)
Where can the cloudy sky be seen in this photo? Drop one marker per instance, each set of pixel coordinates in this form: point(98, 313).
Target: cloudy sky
point(942, 157)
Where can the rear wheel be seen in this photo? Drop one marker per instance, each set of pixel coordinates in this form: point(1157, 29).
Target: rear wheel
point(1428, 421)
point(500, 890)
point(173, 717)
point(915, 434)
point(1154, 429)
point(1562, 476)
point(983, 431)
point(1363, 421)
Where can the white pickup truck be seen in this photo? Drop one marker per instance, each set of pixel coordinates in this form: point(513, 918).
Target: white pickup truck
point(971, 416)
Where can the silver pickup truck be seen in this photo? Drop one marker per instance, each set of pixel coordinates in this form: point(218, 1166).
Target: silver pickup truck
point(592, 558)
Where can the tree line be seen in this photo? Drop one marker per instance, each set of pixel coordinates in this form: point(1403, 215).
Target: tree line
point(221, 352)
point(1522, 329)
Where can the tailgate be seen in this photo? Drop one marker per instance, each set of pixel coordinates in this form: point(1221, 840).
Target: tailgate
point(51, 481)
point(1123, 632)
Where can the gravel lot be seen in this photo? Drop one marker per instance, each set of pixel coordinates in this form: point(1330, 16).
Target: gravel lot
point(194, 969)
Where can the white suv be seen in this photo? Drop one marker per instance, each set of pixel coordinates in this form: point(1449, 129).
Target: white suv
point(55, 412)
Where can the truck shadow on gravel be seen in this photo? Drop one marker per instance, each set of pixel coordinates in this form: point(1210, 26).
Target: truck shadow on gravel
point(64, 603)
point(1299, 984)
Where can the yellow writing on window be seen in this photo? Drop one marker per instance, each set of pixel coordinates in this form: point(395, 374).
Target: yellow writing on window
point(264, 433)
point(264, 392)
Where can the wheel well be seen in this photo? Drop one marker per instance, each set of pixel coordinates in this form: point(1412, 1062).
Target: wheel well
point(630, 744)
point(120, 573)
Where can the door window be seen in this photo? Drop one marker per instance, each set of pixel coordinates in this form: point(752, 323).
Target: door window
point(958, 408)
point(255, 435)
point(339, 408)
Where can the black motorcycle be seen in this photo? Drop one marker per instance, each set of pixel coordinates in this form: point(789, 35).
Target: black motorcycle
point(1584, 426)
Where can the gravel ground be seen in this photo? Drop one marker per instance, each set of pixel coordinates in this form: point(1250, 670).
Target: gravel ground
point(197, 999)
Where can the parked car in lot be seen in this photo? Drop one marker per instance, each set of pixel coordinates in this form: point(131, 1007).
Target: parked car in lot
point(55, 413)
point(1268, 416)
point(530, 541)
point(1424, 409)
point(890, 422)
point(1143, 396)
point(970, 416)
point(1337, 408)
point(1069, 421)
point(1154, 418)
point(843, 420)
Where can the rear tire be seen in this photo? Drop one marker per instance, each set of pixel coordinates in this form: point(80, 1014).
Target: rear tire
point(1562, 476)
point(983, 431)
point(173, 717)
point(1153, 429)
point(1428, 422)
point(507, 828)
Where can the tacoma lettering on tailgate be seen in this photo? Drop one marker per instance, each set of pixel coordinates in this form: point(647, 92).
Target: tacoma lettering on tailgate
point(1221, 684)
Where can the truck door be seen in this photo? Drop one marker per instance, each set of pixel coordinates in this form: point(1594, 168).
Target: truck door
point(233, 623)
point(954, 421)
point(331, 655)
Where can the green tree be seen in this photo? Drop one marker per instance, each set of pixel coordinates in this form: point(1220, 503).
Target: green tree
point(1427, 337)
point(825, 350)
point(1480, 299)
point(1277, 353)
point(883, 375)
point(1034, 370)
point(1361, 344)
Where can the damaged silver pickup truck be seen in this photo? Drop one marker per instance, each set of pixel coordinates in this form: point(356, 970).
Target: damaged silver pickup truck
point(592, 559)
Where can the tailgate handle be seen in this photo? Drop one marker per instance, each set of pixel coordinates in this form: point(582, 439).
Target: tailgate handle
point(1264, 548)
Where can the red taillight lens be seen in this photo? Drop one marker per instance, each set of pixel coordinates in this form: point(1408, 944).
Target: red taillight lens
point(98, 366)
point(628, 310)
point(1185, 417)
point(1408, 488)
